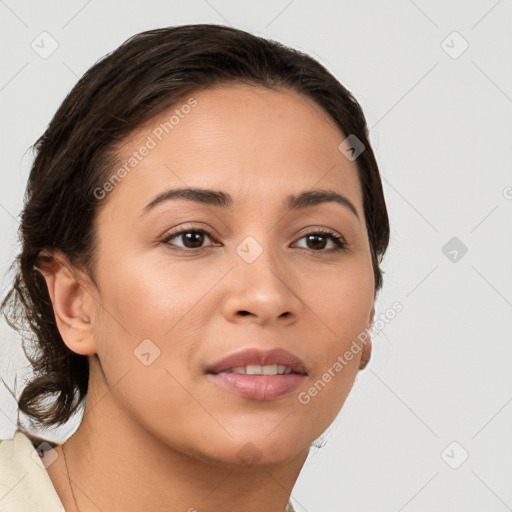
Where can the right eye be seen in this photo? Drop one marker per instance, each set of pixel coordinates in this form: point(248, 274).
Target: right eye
point(192, 239)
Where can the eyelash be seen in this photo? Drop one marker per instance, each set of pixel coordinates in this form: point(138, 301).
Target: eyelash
point(338, 240)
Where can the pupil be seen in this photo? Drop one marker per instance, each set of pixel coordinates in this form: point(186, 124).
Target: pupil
point(195, 237)
point(313, 237)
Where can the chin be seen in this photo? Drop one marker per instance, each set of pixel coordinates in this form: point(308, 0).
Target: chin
point(257, 449)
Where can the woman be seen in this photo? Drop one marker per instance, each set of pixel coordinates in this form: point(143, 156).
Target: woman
point(201, 241)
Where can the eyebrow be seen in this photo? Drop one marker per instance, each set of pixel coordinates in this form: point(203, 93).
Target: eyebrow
point(221, 199)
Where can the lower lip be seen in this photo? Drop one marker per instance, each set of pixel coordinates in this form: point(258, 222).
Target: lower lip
point(259, 387)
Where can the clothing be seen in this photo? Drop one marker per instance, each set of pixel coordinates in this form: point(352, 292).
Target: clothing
point(24, 482)
point(289, 508)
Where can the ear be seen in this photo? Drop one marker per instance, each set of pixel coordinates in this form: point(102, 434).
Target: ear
point(73, 305)
point(367, 345)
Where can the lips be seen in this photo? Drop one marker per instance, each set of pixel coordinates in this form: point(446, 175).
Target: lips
point(259, 357)
point(256, 384)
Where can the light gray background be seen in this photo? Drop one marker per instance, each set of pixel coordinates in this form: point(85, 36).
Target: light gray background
point(441, 129)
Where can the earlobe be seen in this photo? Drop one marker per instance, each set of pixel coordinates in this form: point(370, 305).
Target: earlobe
point(70, 300)
point(371, 317)
point(367, 345)
point(366, 353)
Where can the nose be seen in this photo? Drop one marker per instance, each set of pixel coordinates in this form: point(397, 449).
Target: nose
point(262, 292)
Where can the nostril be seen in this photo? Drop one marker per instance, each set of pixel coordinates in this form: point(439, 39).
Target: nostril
point(244, 313)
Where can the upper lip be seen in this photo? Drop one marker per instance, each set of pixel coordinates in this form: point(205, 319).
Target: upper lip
point(256, 356)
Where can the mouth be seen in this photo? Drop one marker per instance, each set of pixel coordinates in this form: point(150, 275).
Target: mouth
point(268, 369)
point(259, 375)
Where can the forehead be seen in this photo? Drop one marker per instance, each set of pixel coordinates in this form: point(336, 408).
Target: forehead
point(252, 142)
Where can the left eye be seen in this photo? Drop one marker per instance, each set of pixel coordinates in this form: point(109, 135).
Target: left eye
point(313, 240)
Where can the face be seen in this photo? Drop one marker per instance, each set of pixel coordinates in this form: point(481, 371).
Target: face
point(249, 271)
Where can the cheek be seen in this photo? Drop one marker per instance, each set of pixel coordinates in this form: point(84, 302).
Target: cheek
point(340, 301)
point(152, 313)
point(141, 342)
point(150, 296)
point(341, 307)
point(342, 321)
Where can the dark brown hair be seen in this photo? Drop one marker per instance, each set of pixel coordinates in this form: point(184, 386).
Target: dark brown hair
point(142, 78)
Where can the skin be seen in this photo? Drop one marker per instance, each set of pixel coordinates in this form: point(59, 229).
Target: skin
point(164, 436)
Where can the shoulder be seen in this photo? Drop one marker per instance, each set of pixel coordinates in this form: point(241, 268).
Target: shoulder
point(24, 481)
